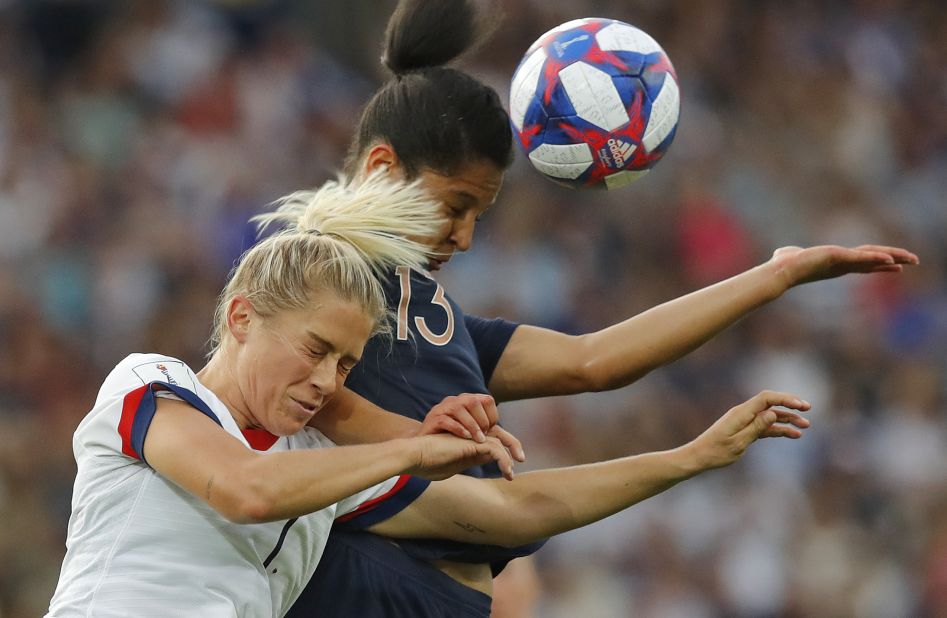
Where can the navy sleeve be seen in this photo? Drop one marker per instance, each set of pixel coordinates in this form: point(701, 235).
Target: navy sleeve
point(490, 338)
point(405, 491)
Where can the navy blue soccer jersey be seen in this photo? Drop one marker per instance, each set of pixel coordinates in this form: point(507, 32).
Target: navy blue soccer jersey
point(436, 351)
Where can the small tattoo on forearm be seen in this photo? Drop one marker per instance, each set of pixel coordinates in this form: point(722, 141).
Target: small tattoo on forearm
point(470, 527)
point(210, 483)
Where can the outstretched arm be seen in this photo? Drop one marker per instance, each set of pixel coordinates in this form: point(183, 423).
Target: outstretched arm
point(540, 504)
point(538, 362)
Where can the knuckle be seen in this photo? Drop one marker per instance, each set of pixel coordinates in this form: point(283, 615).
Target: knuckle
point(732, 447)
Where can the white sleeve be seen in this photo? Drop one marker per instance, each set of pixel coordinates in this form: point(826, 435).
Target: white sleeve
point(126, 404)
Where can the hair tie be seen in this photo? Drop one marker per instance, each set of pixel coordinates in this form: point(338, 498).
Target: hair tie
point(314, 231)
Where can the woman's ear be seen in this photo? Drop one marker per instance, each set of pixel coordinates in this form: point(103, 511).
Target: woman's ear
point(381, 158)
point(240, 313)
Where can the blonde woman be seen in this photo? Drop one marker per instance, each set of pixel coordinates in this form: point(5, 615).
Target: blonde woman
point(207, 494)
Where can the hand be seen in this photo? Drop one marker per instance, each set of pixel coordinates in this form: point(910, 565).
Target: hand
point(726, 440)
point(473, 417)
point(800, 265)
point(442, 455)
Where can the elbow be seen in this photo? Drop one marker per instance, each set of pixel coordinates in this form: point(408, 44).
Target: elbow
point(585, 373)
point(250, 511)
point(592, 377)
point(244, 504)
point(597, 375)
point(594, 370)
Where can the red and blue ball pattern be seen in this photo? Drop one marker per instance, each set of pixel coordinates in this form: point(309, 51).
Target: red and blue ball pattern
point(595, 103)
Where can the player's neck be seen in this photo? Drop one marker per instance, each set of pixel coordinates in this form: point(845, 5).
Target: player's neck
point(218, 377)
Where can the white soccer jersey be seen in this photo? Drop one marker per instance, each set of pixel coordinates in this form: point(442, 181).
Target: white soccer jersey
point(139, 545)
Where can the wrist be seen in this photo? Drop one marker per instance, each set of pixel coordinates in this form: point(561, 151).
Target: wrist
point(406, 453)
point(690, 459)
point(778, 276)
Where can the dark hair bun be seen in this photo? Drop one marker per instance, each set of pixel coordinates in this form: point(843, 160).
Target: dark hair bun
point(429, 33)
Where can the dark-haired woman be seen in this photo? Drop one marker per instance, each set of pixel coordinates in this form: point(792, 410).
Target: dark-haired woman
point(444, 127)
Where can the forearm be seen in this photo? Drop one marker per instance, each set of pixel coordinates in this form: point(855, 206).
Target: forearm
point(620, 354)
point(290, 484)
point(352, 419)
point(544, 503)
point(536, 505)
point(540, 363)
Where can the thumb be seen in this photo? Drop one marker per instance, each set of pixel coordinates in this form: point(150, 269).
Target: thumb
point(760, 423)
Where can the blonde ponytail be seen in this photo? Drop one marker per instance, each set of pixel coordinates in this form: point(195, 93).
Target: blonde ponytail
point(376, 217)
point(338, 238)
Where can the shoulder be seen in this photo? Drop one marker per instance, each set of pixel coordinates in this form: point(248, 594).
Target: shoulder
point(140, 369)
point(128, 399)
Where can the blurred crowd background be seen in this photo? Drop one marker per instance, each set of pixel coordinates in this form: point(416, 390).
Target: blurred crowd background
point(137, 137)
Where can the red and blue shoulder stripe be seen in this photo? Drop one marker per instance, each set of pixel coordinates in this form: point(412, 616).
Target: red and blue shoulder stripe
point(138, 410)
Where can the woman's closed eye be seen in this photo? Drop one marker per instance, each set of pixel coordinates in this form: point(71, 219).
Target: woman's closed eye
point(314, 353)
point(346, 369)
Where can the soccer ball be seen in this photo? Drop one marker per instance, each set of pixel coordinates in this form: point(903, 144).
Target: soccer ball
point(594, 103)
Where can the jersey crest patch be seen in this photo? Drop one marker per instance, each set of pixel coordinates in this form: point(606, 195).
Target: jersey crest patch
point(170, 371)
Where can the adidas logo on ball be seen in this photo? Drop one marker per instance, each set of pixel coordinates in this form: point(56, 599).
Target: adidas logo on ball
point(620, 151)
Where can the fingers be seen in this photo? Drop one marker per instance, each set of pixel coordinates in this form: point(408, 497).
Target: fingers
point(886, 268)
point(747, 411)
point(751, 419)
point(897, 254)
point(510, 441)
point(786, 416)
point(440, 456)
point(801, 266)
point(776, 423)
point(483, 410)
point(773, 423)
point(446, 424)
point(759, 417)
point(465, 418)
point(877, 259)
point(475, 413)
point(781, 431)
point(497, 452)
point(860, 256)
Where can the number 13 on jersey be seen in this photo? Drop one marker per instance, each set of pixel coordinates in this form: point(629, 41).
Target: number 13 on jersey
point(404, 277)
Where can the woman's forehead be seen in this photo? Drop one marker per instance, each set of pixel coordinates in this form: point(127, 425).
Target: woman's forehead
point(479, 181)
point(325, 310)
